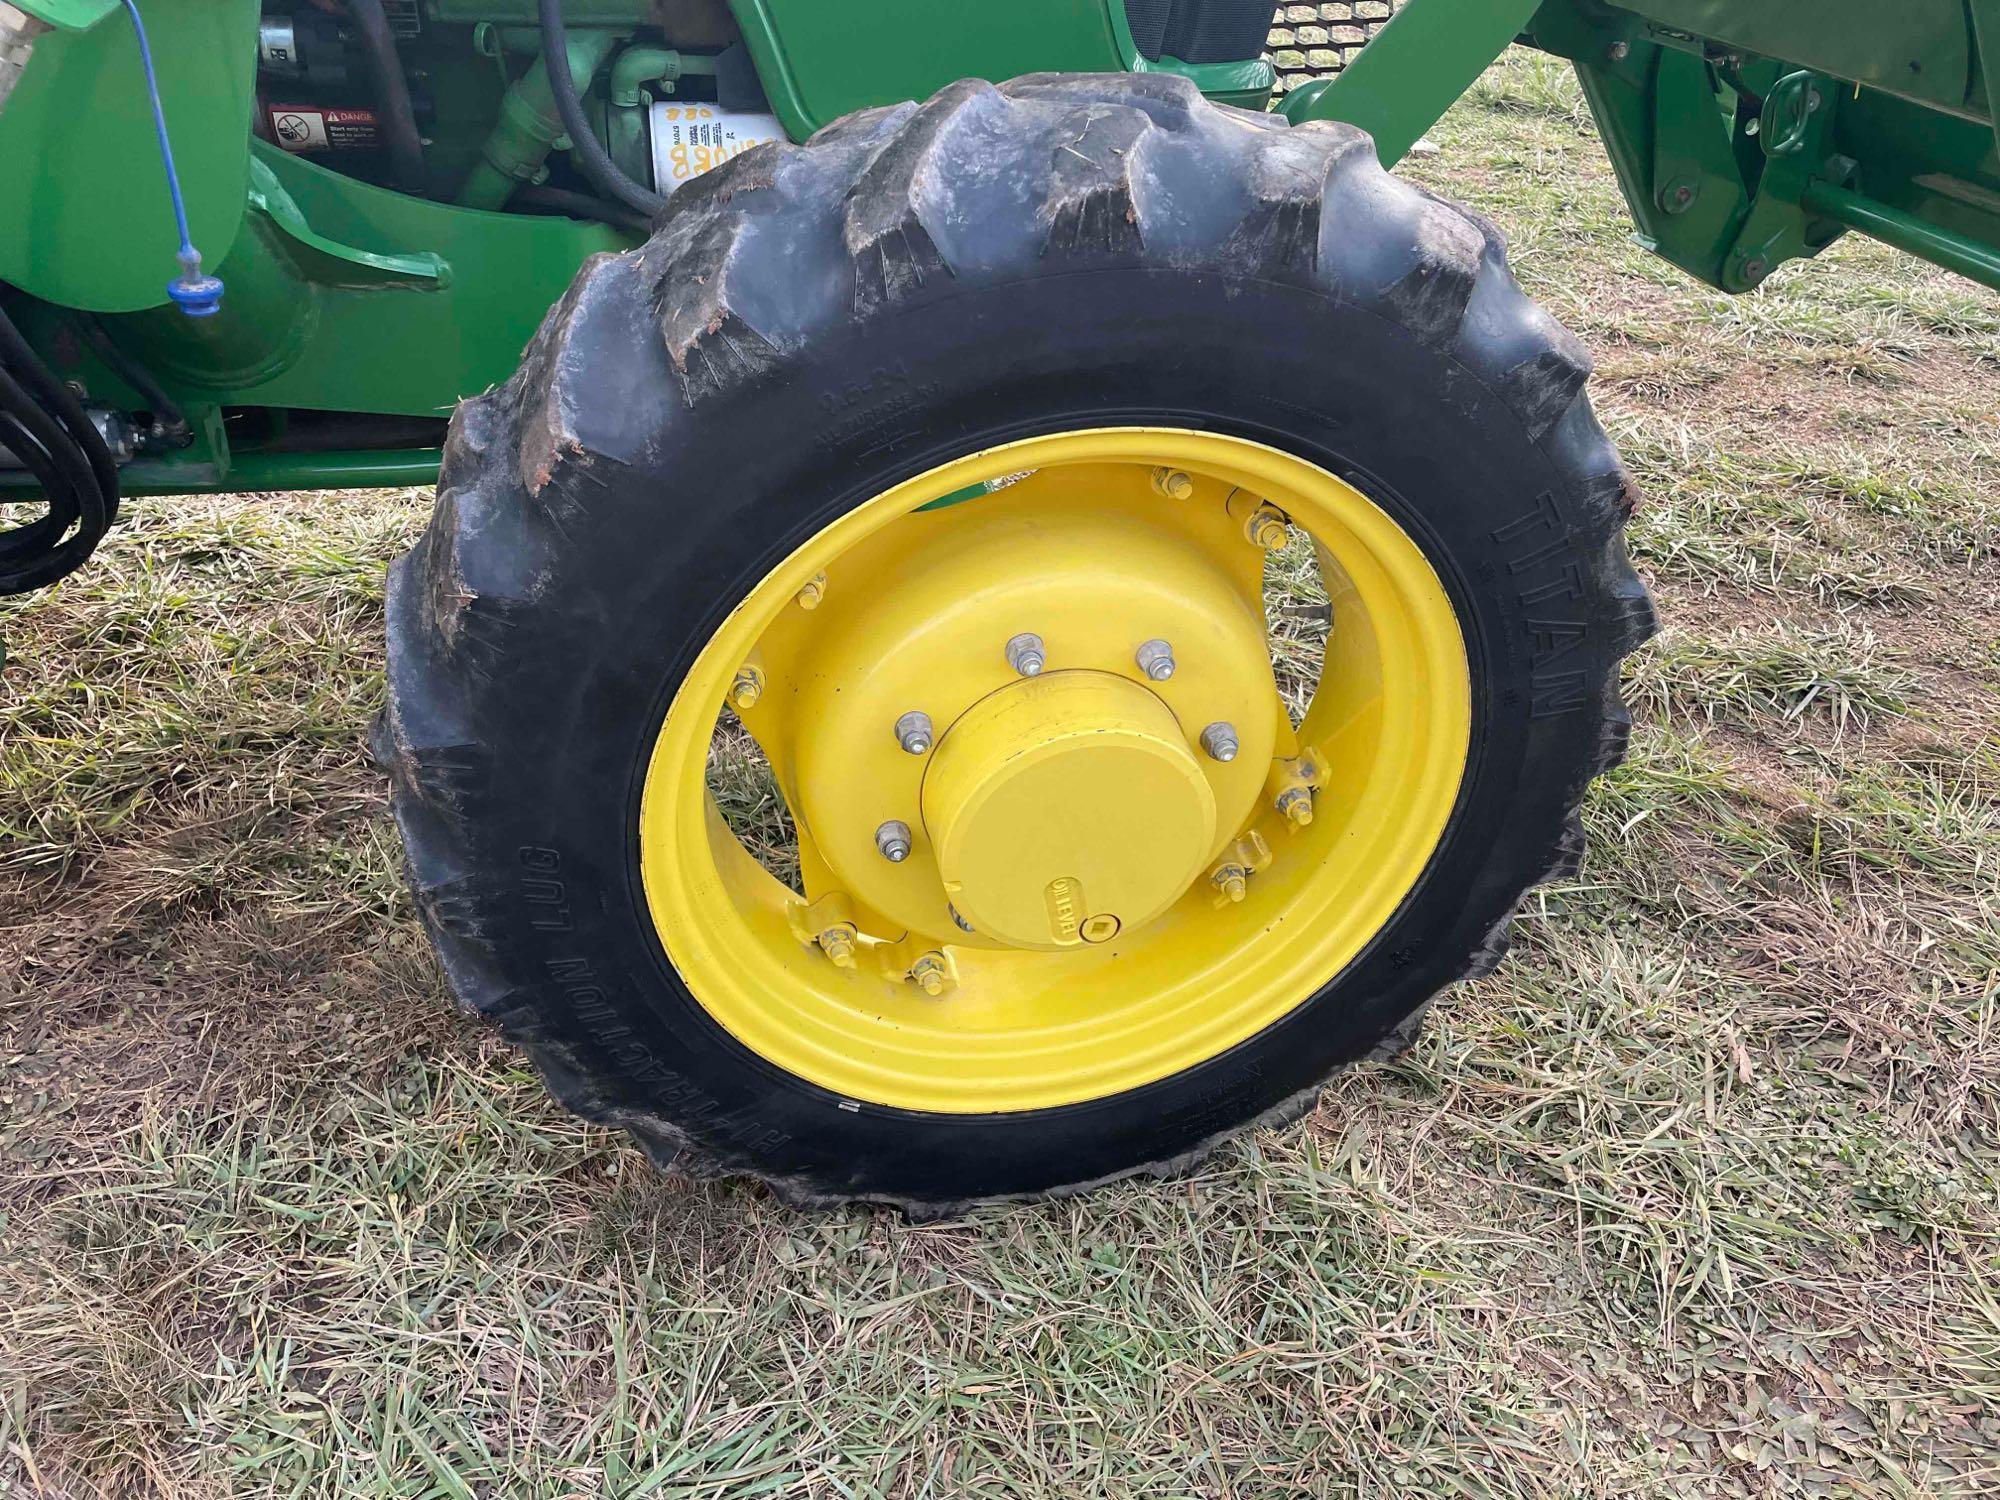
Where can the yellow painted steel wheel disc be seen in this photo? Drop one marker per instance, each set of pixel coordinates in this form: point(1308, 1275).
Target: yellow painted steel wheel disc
point(1039, 866)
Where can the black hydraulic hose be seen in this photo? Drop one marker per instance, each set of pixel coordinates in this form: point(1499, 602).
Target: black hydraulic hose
point(392, 93)
point(50, 527)
point(17, 355)
point(581, 206)
point(172, 421)
point(30, 556)
point(590, 157)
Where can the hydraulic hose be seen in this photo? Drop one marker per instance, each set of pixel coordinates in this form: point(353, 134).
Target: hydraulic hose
point(581, 206)
point(392, 92)
point(26, 365)
point(31, 556)
point(47, 429)
point(590, 157)
point(169, 420)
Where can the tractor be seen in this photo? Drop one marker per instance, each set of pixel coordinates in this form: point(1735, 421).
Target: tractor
point(910, 401)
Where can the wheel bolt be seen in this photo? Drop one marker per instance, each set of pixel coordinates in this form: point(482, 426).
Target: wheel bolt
point(931, 975)
point(1173, 483)
point(1156, 659)
point(913, 732)
point(893, 839)
point(747, 688)
point(813, 591)
point(1233, 881)
point(837, 943)
point(1266, 529)
point(1219, 740)
point(1025, 654)
point(1297, 806)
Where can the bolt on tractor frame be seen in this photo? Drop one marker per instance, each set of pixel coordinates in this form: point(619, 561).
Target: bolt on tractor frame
point(1745, 133)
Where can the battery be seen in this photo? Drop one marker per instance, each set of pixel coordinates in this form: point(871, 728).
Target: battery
point(689, 139)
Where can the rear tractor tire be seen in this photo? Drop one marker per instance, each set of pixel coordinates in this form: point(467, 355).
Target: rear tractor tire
point(939, 458)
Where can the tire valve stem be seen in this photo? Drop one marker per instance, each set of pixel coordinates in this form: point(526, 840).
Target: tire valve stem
point(747, 688)
point(1026, 655)
point(913, 732)
point(892, 839)
point(812, 591)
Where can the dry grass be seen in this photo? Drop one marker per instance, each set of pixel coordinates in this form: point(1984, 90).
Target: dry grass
point(1695, 1197)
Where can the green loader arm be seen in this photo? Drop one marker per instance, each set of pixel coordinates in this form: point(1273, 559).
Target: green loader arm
point(1745, 133)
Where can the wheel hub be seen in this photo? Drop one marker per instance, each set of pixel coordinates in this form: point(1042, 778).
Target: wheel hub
point(1098, 779)
point(1065, 807)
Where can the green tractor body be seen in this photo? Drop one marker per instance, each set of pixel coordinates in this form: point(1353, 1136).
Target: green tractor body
point(1745, 133)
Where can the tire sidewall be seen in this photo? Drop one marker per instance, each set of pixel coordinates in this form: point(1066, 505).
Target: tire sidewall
point(669, 543)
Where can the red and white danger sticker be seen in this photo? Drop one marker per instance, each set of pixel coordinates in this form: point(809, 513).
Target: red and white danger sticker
point(299, 128)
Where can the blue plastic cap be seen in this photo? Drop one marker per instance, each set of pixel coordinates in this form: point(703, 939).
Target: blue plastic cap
point(197, 296)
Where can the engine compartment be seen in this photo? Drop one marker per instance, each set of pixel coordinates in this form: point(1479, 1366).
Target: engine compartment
point(669, 91)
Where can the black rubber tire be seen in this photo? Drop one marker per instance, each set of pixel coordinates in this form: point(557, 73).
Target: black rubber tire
point(812, 324)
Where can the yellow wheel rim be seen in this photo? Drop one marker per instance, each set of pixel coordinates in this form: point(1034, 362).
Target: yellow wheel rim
point(1085, 897)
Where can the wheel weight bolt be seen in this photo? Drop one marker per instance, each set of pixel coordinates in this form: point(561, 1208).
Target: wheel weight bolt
point(1026, 655)
point(893, 840)
point(1219, 740)
point(1156, 659)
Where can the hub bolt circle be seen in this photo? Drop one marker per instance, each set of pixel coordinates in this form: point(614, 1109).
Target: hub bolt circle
point(893, 840)
point(1219, 740)
point(1026, 655)
point(913, 732)
point(1156, 659)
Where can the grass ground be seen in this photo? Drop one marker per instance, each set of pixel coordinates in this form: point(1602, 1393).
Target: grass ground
point(1695, 1196)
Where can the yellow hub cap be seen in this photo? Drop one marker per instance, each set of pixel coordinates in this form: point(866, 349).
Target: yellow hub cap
point(1035, 880)
point(1063, 798)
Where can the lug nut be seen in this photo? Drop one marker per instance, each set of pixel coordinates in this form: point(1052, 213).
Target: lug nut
point(1156, 660)
point(747, 688)
point(1025, 654)
point(1233, 881)
point(1266, 529)
point(893, 840)
point(1173, 483)
point(1297, 805)
point(813, 591)
point(931, 975)
point(1219, 740)
point(837, 943)
point(913, 732)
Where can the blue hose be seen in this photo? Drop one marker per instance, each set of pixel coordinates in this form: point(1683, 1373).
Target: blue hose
point(196, 295)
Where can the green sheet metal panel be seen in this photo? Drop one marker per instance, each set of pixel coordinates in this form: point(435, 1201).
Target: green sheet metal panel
point(356, 298)
point(818, 60)
point(1918, 49)
point(88, 222)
